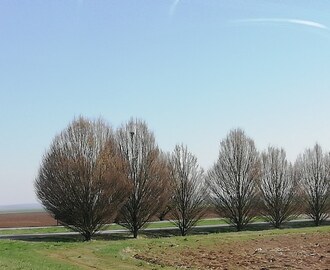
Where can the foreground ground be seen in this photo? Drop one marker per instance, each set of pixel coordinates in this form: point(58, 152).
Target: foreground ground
point(303, 248)
point(300, 249)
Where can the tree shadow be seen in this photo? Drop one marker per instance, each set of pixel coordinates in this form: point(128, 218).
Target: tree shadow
point(74, 238)
point(259, 227)
point(230, 229)
point(163, 233)
point(51, 238)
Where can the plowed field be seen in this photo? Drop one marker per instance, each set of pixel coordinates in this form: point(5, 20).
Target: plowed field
point(292, 251)
point(33, 219)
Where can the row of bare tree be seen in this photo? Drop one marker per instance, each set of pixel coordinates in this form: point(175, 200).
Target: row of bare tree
point(244, 182)
point(92, 175)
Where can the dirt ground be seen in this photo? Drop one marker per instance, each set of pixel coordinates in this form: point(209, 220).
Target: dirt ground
point(33, 219)
point(293, 251)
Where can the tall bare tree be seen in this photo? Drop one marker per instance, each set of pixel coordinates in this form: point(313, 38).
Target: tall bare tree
point(81, 180)
point(189, 190)
point(314, 170)
point(233, 178)
point(147, 171)
point(278, 187)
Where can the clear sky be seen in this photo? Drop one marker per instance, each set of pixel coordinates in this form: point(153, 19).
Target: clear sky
point(193, 69)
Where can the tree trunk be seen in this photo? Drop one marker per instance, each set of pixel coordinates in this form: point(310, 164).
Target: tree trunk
point(317, 220)
point(277, 224)
point(87, 235)
point(183, 232)
point(135, 232)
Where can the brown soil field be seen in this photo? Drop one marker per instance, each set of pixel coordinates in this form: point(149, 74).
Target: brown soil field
point(292, 251)
point(28, 219)
point(39, 219)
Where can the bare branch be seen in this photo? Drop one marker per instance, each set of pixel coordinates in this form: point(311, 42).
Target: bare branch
point(147, 172)
point(278, 187)
point(80, 181)
point(233, 178)
point(314, 167)
point(189, 191)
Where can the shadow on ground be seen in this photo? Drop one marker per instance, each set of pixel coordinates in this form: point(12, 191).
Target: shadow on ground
point(165, 233)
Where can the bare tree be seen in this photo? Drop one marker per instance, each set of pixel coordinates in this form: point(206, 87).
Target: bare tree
point(278, 187)
point(233, 178)
point(81, 180)
point(314, 170)
point(148, 173)
point(189, 191)
point(164, 212)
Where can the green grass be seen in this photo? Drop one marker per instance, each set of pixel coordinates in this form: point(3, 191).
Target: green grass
point(167, 224)
point(70, 254)
point(29, 255)
point(34, 230)
point(116, 252)
point(51, 229)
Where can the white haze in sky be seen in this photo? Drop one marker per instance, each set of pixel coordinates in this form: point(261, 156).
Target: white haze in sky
point(173, 8)
point(283, 20)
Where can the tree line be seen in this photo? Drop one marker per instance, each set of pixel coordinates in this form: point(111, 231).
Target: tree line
point(92, 175)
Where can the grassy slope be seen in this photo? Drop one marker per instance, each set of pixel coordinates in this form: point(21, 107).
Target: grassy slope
point(100, 254)
point(115, 253)
point(28, 255)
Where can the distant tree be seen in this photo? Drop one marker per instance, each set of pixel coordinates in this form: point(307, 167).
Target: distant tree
point(278, 187)
point(81, 180)
point(148, 173)
point(314, 171)
point(233, 178)
point(189, 190)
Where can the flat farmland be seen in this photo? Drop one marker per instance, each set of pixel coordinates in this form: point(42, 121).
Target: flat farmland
point(40, 219)
point(26, 219)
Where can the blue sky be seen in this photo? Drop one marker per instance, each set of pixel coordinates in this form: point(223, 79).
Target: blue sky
point(193, 69)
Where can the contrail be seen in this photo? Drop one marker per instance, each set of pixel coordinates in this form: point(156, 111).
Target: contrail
point(173, 8)
point(280, 20)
